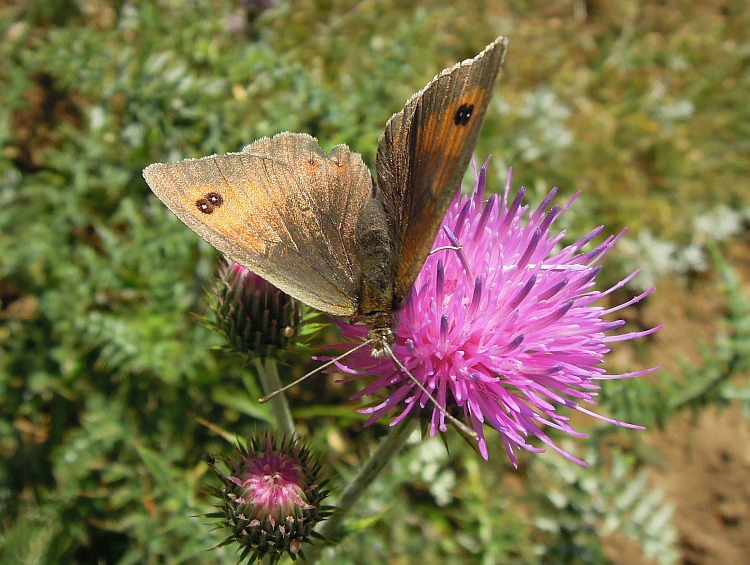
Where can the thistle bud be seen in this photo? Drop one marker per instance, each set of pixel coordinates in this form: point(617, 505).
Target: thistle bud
point(271, 498)
point(253, 315)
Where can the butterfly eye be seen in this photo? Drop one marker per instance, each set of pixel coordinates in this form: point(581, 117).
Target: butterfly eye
point(209, 202)
point(463, 114)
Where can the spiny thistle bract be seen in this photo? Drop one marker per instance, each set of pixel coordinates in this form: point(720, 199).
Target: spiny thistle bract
point(254, 316)
point(271, 498)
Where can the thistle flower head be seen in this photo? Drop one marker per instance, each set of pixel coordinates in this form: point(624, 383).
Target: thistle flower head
point(271, 498)
point(252, 314)
point(501, 325)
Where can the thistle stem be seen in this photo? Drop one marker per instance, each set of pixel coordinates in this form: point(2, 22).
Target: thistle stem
point(392, 443)
point(269, 381)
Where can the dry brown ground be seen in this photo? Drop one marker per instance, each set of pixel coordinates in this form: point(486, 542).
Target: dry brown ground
point(705, 458)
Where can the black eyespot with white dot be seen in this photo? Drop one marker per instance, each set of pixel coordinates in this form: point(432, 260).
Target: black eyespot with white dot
point(209, 202)
point(463, 114)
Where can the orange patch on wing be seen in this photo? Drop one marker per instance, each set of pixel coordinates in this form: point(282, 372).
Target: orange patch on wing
point(441, 131)
point(243, 227)
point(444, 139)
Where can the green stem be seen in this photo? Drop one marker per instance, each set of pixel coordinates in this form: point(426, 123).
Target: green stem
point(392, 443)
point(270, 382)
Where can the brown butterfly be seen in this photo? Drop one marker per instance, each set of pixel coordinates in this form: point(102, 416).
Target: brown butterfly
point(315, 225)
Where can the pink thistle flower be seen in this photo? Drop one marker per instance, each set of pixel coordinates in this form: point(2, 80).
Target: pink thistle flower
point(500, 326)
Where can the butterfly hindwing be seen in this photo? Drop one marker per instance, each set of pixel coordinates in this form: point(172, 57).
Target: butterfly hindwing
point(339, 184)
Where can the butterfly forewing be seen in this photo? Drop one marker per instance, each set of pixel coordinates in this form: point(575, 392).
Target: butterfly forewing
point(425, 150)
point(309, 223)
point(266, 214)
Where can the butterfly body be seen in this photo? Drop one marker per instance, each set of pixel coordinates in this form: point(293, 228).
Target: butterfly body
point(376, 301)
point(315, 226)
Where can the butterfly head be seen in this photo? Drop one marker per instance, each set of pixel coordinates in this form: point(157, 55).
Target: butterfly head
point(380, 334)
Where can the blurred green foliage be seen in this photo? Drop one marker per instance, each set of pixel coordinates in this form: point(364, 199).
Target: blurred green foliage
point(107, 378)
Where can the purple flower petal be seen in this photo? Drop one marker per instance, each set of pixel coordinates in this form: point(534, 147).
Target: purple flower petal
point(500, 326)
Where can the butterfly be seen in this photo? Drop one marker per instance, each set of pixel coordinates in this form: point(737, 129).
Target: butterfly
point(317, 226)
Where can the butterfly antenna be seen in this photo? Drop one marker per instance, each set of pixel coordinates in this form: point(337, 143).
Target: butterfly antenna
point(446, 247)
point(460, 425)
point(325, 365)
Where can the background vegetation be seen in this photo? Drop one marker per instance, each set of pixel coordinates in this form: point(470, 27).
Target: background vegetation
point(110, 391)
